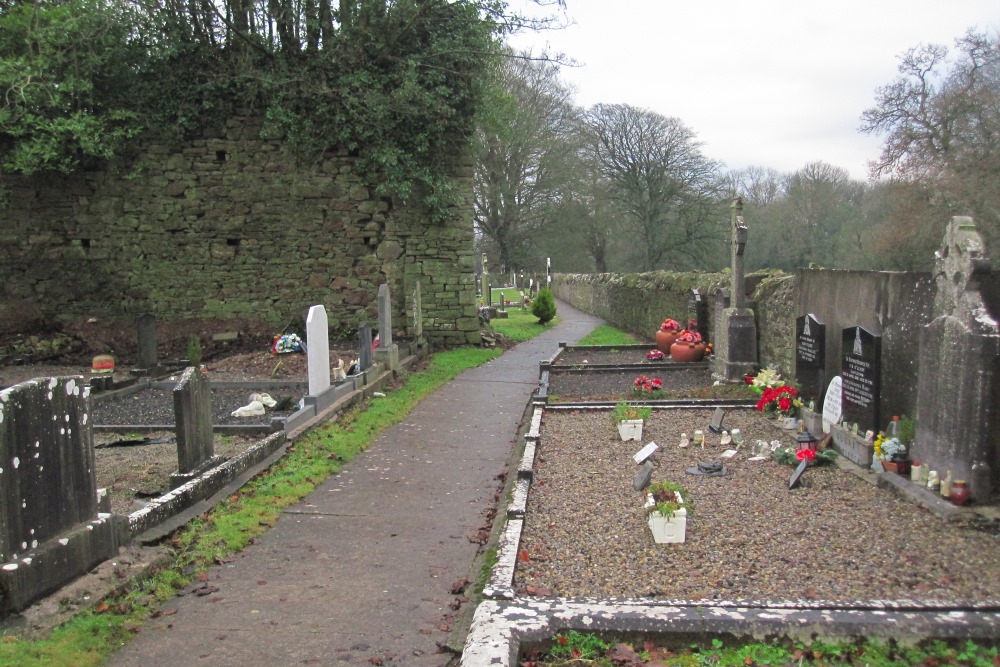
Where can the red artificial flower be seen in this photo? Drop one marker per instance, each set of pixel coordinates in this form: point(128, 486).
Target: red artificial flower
point(784, 404)
point(806, 454)
point(654, 355)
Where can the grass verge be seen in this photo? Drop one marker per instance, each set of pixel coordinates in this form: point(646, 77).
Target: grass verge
point(607, 335)
point(520, 325)
point(89, 638)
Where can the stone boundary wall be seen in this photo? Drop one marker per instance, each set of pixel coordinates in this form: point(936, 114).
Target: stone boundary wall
point(230, 226)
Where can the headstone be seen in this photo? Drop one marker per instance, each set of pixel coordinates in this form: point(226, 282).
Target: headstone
point(736, 335)
point(861, 373)
point(717, 418)
point(643, 476)
point(644, 453)
point(698, 312)
point(387, 352)
point(548, 272)
point(365, 345)
point(146, 333)
point(833, 409)
point(318, 350)
point(418, 313)
point(810, 357)
point(193, 416)
point(956, 409)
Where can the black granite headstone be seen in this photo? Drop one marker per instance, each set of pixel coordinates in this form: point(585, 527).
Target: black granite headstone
point(861, 372)
point(810, 358)
point(717, 418)
point(697, 313)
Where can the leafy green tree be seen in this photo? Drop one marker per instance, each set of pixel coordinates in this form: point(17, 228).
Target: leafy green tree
point(659, 178)
point(544, 306)
point(941, 122)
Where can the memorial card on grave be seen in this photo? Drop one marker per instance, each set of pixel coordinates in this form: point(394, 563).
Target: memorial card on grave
point(861, 372)
point(796, 477)
point(810, 358)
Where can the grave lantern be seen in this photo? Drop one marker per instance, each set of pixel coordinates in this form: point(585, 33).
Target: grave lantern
point(806, 440)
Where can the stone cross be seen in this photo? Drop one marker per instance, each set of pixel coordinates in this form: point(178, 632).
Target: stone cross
point(318, 350)
point(739, 241)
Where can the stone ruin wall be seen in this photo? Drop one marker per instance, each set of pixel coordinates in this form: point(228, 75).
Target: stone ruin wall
point(230, 227)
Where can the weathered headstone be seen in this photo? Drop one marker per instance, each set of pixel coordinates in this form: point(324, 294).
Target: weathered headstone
point(810, 357)
point(958, 368)
point(193, 416)
point(365, 346)
point(50, 529)
point(418, 314)
point(318, 350)
point(487, 290)
point(861, 376)
point(387, 352)
point(145, 325)
point(736, 344)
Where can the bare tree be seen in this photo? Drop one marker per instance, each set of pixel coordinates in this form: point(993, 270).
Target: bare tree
point(660, 179)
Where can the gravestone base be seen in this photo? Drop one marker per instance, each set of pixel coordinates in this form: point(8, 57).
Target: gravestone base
point(736, 349)
point(56, 562)
point(180, 478)
point(388, 356)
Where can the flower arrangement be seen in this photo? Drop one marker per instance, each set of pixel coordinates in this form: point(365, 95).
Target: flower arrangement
point(655, 355)
point(647, 386)
point(792, 456)
point(889, 449)
point(688, 336)
point(670, 325)
point(779, 400)
point(665, 498)
point(767, 378)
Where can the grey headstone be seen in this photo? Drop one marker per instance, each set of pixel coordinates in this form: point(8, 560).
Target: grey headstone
point(193, 412)
point(698, 312)
point(384, 317)
point(810, 357)
point(418, 312)
point(861, 377)
point(643, 476)
point(365, 346)
point(958, 368)
point(736, 335)
point(146, 333)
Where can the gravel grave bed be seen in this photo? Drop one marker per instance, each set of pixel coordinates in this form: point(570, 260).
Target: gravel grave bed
point(689, 382)
point(155, 406)
point(835, 538)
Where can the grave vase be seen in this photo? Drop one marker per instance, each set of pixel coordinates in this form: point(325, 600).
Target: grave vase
point(630, 429)
point(665, 338)
point(687, 352)
point(666, 530)
point(898, 467)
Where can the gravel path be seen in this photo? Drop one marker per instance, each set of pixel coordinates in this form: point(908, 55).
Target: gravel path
point(155, 406)
point(835, 538)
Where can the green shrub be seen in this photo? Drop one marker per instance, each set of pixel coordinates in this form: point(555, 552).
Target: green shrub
point(544, 306)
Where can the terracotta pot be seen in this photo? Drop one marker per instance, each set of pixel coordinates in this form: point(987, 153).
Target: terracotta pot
point(687, 352)
point(664, 339)
point(898, 467)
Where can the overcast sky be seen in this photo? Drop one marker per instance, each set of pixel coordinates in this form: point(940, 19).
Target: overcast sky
point(776, 83)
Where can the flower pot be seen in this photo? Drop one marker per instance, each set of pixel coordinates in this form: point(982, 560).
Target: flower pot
point(687, 352)
point(898, 467)
point(630, 429)
point(664, 339)
point(667, 530)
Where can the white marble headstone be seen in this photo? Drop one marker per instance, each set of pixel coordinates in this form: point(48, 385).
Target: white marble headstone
point(832, 409)
point(318, 350)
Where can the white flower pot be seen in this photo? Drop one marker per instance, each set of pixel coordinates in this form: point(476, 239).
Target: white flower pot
point(630, 429)
point(666, 530)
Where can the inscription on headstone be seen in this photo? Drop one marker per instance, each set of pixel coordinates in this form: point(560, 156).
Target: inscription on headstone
point(861, 370)
point(810, 357)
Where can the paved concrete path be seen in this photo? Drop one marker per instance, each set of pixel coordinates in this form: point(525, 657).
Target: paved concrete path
point(359, 573)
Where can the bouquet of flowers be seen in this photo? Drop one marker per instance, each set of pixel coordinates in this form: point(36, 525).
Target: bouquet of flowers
point(792, 456)
point(670, 325)
point(779, 400)
point(889, 449)
point(768, 378)
point(688, 336)
point(647, 386)
point(655, 355)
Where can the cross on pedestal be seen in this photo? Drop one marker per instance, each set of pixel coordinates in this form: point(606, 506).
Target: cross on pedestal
point(736, 335)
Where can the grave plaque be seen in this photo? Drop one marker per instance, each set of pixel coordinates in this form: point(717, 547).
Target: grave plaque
point(796, 477)
point(810, 357)
point(644, 453)
point(861, 372)
point(717, 418)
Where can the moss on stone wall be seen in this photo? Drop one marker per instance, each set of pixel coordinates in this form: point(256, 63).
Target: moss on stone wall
point(232, 226)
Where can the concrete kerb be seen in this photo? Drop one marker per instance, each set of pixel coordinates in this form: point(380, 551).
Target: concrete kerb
point(503, 621)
